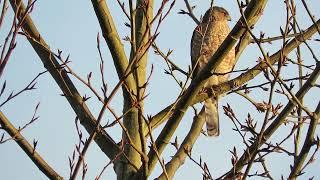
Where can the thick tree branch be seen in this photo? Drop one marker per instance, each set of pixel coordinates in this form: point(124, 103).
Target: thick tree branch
point(254, 8)
point(28, 149)
point(124, 170)
point(104, 141)
point(274, 125)
point(178, 159)
point(140, 18)
point(114, 43)
point(309, 141)
point(164, 114)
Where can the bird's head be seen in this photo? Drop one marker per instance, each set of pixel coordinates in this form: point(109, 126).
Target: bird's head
point(216, 13)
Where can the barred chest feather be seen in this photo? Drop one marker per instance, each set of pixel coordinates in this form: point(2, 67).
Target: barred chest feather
point(214, 34)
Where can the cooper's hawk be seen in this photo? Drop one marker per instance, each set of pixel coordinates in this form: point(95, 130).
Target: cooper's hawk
point(206, 39)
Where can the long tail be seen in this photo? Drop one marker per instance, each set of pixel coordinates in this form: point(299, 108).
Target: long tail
point(212, 116)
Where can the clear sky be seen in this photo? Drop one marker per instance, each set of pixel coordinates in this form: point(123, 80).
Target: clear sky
point(72, 27)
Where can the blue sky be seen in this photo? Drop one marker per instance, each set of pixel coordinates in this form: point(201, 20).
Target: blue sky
point(72, 27)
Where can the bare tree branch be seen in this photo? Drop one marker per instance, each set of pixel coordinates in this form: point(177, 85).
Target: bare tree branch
point(104, 141)
point(163, 115)
point(308, 143)
point(274, 125)
point(28, 148)
point(185, 148)
point(112, 38)
point(254, 8)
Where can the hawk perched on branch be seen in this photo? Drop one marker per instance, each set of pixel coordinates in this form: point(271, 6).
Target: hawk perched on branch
point(206, 39)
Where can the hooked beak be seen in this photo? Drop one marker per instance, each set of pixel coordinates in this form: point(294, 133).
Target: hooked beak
point(228, 18)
